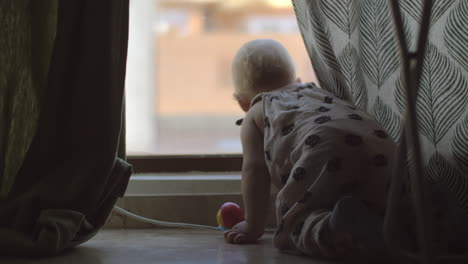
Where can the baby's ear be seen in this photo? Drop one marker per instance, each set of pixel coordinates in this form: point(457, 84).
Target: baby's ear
point(298, 80)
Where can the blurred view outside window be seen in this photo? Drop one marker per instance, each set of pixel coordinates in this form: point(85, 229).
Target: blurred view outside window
point(178, 87)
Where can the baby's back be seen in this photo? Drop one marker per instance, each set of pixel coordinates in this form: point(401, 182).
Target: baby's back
point(309, 131)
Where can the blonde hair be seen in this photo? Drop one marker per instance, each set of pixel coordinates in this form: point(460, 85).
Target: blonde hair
point(261, 65)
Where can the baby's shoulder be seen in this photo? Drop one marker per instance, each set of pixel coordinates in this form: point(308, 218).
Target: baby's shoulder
point(255, 114)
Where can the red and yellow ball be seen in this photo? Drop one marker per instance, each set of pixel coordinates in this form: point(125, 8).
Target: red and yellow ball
point(229, 215)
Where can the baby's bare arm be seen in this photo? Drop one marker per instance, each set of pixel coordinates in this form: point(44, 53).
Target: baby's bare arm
point(255, 176)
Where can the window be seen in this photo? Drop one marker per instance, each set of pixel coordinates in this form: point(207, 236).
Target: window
point(178, 87)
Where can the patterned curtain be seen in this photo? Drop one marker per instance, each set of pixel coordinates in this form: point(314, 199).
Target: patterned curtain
point(354, 53)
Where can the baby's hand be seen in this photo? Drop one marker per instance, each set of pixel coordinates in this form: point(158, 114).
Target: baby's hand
point(240, 234)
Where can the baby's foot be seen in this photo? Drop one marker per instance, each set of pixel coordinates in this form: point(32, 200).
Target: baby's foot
point(343, 243)
point(350, 216)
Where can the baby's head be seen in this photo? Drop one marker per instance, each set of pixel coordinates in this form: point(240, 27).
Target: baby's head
point(260, 65)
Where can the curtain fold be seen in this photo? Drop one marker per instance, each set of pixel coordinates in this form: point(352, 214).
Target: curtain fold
point(27, 31)
point(354, 53)
point(74, 169)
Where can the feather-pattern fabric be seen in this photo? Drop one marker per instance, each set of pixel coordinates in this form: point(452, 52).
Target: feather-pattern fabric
point(377, 45)
point(441, 82)
point(323, 37)
point(456, 34)
point(414, 8)
point(344, 14)
point(460, 145)
point(389, 119)
point(352, 71)
point(440, 170)
point(352, 46)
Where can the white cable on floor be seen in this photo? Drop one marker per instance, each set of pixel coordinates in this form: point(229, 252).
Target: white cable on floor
point(162, 223)
point(170, 224)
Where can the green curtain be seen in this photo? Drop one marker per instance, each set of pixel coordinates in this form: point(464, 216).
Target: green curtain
point(27, 31)
point(62, 151)
point(354, 53)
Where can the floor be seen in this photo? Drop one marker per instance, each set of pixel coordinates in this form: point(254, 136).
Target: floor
point(171, 246)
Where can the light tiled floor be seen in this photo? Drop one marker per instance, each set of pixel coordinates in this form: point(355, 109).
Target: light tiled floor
point(171, 246)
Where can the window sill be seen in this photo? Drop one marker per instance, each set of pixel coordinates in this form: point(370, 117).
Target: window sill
point(190, 183)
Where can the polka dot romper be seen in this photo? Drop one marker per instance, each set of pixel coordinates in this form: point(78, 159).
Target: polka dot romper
point(318, 149)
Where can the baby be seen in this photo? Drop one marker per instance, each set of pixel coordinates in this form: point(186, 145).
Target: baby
point(329, 160)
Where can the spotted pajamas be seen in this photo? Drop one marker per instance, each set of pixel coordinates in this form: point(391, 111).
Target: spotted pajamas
point(318, 149)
